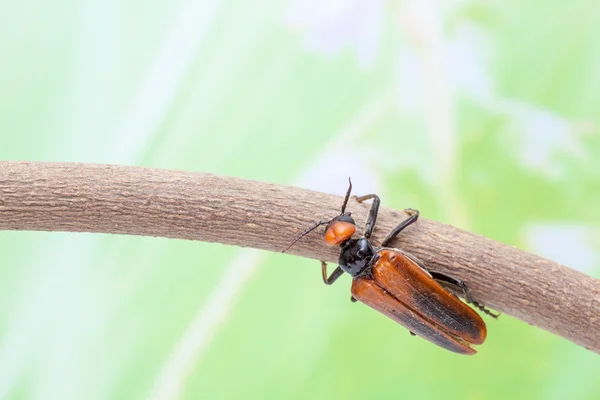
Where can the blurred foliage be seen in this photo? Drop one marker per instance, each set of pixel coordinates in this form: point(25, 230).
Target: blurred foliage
point(481, 114)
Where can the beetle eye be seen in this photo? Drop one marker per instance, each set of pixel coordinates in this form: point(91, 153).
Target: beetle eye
point(338, 232)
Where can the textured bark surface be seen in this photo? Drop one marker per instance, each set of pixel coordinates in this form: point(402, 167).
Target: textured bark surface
point(197, 206)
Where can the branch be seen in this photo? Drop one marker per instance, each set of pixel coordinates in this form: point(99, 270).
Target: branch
point(210, 208)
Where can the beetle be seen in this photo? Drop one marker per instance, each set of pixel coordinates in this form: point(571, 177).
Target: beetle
point(398, 285)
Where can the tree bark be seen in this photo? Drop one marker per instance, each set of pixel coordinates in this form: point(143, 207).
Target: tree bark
point(198, 206)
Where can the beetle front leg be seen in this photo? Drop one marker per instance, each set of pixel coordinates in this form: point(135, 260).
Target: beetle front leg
point(334, 275)
point(372, 218)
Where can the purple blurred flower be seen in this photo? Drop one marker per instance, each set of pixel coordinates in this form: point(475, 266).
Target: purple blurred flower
point(329, 27)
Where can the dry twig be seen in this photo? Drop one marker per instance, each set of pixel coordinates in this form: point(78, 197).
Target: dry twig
point(198, 206)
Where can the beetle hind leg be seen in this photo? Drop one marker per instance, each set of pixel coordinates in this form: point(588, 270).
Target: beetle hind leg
point(438, 276)
point(484, 310)
point(443, 278)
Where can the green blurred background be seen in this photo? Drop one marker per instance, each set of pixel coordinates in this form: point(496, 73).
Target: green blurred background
point(482, 114)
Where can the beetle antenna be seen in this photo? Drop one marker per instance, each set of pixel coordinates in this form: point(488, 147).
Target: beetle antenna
point(306, 232)
point(347, 195)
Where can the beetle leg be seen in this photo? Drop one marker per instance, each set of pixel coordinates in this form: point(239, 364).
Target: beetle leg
point(438, 276)
point(370, 225)
point(352, 299)
point(413, 216)
point(485, 310)
point(412, 333)
point(334, 275)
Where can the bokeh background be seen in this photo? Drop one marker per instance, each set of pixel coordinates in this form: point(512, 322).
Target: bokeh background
point(482, 114)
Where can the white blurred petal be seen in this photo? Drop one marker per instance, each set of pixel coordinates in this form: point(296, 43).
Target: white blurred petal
point(568, 244)
point(540, 136)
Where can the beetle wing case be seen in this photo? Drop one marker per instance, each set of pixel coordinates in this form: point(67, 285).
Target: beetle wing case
point(403, 291)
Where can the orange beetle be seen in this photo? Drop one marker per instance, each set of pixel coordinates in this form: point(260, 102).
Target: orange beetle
point(396, 283)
